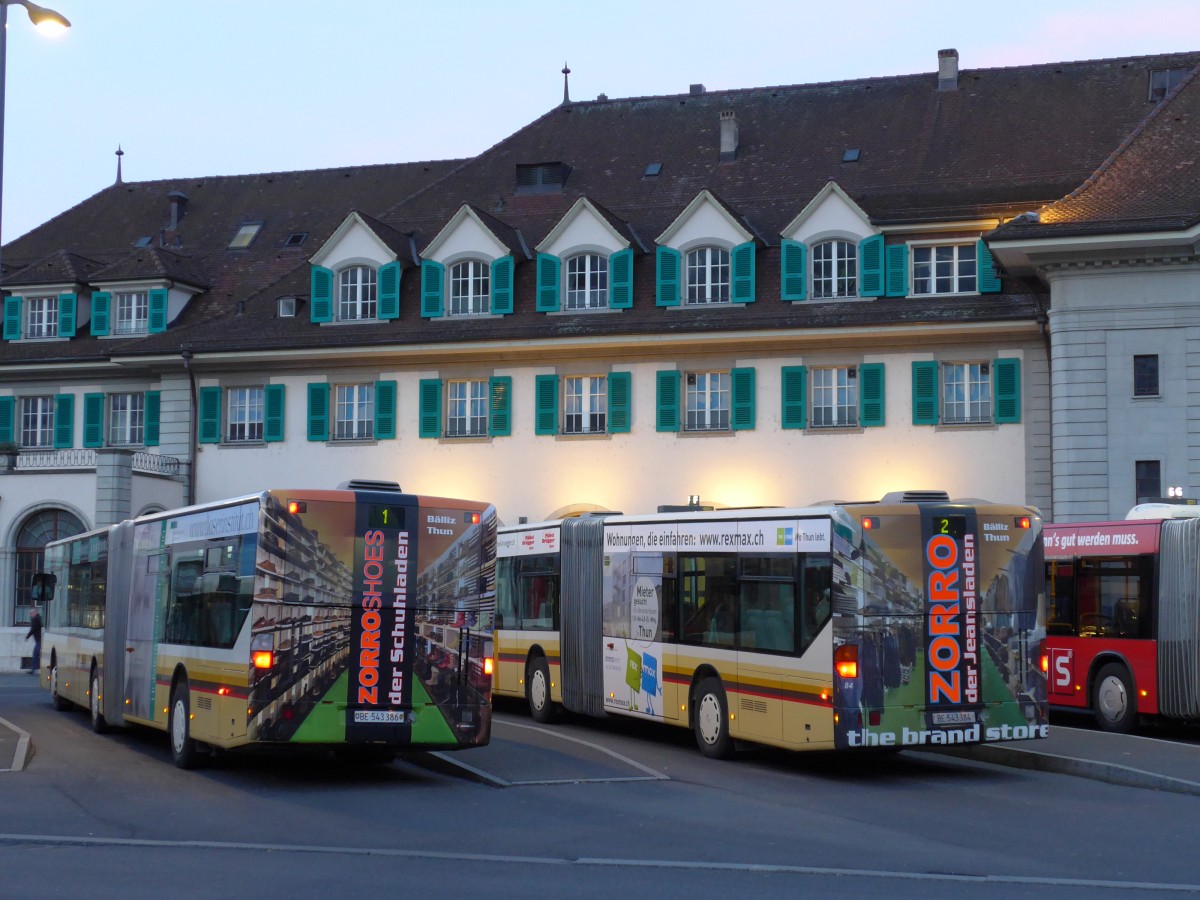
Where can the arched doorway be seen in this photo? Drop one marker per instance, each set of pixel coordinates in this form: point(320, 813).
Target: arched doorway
point(35, 533)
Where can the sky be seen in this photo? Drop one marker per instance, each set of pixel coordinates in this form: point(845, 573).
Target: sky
point(192, 88)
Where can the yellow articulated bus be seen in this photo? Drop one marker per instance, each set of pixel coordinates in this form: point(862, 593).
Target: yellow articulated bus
point(910, 622)
point(357, 619)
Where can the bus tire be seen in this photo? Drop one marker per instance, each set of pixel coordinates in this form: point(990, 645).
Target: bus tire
point(179, 730)
point(537, 691)
point(60, 702)
point(710, 720)
point(99, 725)
point(1113, 700)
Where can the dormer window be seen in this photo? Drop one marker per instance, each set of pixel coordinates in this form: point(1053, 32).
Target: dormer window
point(707, 275)
point(41, 317)
point(287, 307)
point(470, 288)
point(1162, 81)
point(835, 269)
point(356, 293)
point(587, 281)
point(542, 178)
point(132, 312)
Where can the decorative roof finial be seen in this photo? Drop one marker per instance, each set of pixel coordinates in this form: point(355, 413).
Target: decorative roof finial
point(566, 70)
point(120, 153)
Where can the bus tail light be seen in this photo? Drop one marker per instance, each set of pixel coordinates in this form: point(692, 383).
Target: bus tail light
point(845, 660)
point(870, 523)
point(262, 659)
point(488, 665)
point(262, 651)
point(1024, 522)
point(1045, 663)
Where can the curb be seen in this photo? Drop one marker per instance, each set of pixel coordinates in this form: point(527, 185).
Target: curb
point(22, 751)
point(1083, 768)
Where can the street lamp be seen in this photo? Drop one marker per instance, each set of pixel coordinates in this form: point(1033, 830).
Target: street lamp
point(48, 21)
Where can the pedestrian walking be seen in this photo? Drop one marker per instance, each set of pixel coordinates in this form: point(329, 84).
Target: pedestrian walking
point(35, 632)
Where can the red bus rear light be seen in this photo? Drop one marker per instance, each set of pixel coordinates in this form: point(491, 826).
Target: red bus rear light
point(262, 659)
point(1024, 521)
point(870, 523)
point(488, 666)
point(295, 507)
point(1045, 663)
point(845, 660)
point(473, 518)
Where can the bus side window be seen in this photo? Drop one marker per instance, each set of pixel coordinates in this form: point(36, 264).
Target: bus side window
point(1060, 588)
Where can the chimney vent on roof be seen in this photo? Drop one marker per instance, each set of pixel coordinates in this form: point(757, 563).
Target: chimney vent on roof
point(179, 200)
point(729, 135)
point(947, 70)
point(696, 89)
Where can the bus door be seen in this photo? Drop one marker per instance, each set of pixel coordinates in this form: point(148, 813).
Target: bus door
point(1060, 628)
point(146, 583)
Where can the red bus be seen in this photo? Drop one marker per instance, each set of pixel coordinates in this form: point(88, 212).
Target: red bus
point(1123, 619)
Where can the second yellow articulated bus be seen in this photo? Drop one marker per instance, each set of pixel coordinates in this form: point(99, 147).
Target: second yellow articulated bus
point(915, 621)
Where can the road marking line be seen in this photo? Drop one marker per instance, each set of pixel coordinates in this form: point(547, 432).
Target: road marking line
point(657, 776)
point(22, 747)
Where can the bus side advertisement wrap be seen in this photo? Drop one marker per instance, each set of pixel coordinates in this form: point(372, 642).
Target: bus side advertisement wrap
point(380, 637)
point(952, 612)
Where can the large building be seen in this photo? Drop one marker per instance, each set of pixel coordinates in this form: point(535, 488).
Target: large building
point(766, 296)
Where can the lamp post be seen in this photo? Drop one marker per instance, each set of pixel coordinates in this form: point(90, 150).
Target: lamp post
point(47, 20)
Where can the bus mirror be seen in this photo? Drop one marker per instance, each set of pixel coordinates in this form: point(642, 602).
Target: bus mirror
point(42, 591)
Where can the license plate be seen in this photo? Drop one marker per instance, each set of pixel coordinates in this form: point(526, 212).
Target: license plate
point(389, 716)
point(964, 717)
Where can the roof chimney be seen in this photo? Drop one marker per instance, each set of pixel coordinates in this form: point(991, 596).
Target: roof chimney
point(696, 89)
point(947, 70)
point(729, 136)
point(178, 201)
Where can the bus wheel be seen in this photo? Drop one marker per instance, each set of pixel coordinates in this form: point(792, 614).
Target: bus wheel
point(537, 691)
point(98, 724)
point(183, 748)
point(60, 702)
point(711, 720)
point(1113, 700)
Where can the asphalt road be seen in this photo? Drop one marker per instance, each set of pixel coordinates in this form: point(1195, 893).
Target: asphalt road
point(579, 808)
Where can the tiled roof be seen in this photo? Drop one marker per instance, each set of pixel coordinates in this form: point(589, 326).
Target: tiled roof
point(1149, 183)
point(1007, 140)
point(153, 262)
point(60, 267)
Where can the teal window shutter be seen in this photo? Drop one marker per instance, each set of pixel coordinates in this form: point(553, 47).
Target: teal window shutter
point(64, 421)
point(549, 268)
point(318, 411)
point(157, 321)
point(502, 286)
point(668, 262)
point(871, 401)
point(150, 434)
point(925, 392)
point(870, 266)
point(12, 318)
point(793, 270)
point(385, 410)
point(742, 413)
point(667, 390)
point(8, 419)
point(619, 402)
point(389, 290)
point(620, 279)
point(741, 259)
point(1006, 382)
point(431, 288)
point(273, 412)
point(545, 404)
point(794, 390)
point(896, 259)
point(989, 281)
point(209, 403)
point(500, 415)
point(101, 303)
point(93, 420)
point(321, 294)
point(430, 408)
point(67, 305)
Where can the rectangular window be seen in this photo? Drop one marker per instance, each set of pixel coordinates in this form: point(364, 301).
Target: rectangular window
point(466, 408)
point(587, 281)
point(707, 399)
point(37, 422)
point(585, 404)
point(1145, 375)
point(834, 397)
point(1147, 475)
point(42, 319)
point(126, 419)
point(708, 600)
point(245, 415)
point(357, 296)
point(132, 312)
point(1115, 597)
point(944, 269)
point(966, 393)
point(354, 412)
